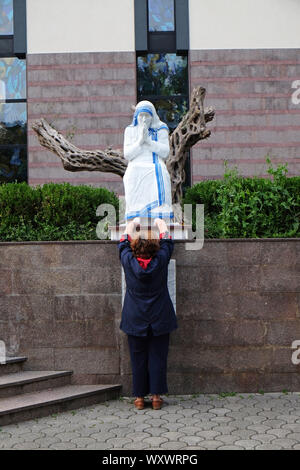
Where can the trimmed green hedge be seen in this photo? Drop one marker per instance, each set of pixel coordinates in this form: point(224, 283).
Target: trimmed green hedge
point(238, 207)
point(234, 207)
point(51, 212)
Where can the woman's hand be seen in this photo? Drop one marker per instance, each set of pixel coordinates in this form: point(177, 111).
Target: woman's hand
point(161, 225)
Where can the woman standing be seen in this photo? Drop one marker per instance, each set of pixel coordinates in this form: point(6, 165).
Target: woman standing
point(148, 315)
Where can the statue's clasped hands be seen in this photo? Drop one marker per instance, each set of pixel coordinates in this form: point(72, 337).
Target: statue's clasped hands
point(143, 135)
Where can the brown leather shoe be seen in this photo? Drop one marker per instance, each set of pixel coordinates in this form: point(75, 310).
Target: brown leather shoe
point(157, 403)
point(139, 403)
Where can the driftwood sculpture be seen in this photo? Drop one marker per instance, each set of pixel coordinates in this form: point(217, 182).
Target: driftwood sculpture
point(189, 131)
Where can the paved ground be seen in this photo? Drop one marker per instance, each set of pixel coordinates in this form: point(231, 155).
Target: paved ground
point(243, 421)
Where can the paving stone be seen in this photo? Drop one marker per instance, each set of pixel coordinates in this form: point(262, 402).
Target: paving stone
point(62, 446)
point(254, 419)
point(204, 416)
point(211, 444)
point(285, 443)
point(142, 427)
point(222, 419)
point(274, 423)
point(291, 427)
point(208, 434)
point(269, 414)
point(157, 431)
point(191, 430)
point(118, 442)
point(173, 417)
point(5, 435)
point(191, 440)
point(189, 412)
point(102, 436)
point(155, 441)
point(287, 418)
point(8, 444)
point(194, 448)
point(172, 435)
point(293, 435)
point(278, 432)
point(237, 415)
point(221, 411)
point(258, 428)
point(45, 442)
point(228, 438)
point(174, 426)
point(138, 436)
point(232, 447)
point(206, 425)
point(136, 445)
point(269, 447)
point(82, 442)
point(224, 428)
point(263, 438)
point(174, 445)
point(26, 446)
point(98, 446)
point(243, 433)
point(156, 422)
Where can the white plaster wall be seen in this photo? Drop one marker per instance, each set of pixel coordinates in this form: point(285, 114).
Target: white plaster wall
point(244, 24)
point(80, 26)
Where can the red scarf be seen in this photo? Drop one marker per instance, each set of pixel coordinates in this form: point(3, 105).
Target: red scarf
point(144, 262)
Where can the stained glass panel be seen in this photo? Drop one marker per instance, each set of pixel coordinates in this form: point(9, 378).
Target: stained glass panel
point(171, 110)
point(6, 17)
point(13, 138)
point(161, 15)
point(162, 74)
point(13, 164)
point(12, 78)
point(12, 123)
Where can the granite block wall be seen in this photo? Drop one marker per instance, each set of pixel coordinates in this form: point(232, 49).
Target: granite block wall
point(87, 97)
point(251, 91)
point(238, 308)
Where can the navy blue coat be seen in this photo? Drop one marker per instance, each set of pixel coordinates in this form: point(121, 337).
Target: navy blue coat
point(147, 300)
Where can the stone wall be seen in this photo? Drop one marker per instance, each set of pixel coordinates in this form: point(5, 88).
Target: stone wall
point(251, 91)
point(238, 308)
point(87, 97)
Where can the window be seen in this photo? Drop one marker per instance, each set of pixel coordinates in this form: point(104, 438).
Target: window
point(13, 115)
point(162, 67)
point(163, 80)
point(161, 15)
point(6, 17)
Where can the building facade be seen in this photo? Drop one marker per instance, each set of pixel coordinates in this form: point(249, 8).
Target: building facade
point(82, 65)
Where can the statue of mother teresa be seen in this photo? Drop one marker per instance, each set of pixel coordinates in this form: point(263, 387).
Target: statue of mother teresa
point(146, 180)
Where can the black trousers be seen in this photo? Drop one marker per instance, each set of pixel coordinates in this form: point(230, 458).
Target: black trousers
point(148, 356)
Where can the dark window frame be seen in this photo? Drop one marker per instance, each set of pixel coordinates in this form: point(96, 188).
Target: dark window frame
point(169, 42)
point(161, 41)
point(16, 47)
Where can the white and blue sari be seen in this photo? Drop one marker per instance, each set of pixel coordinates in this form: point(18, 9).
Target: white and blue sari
point(146, 180)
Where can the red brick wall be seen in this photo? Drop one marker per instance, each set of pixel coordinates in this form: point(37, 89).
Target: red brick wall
point(88, 94)
point(251, 91)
